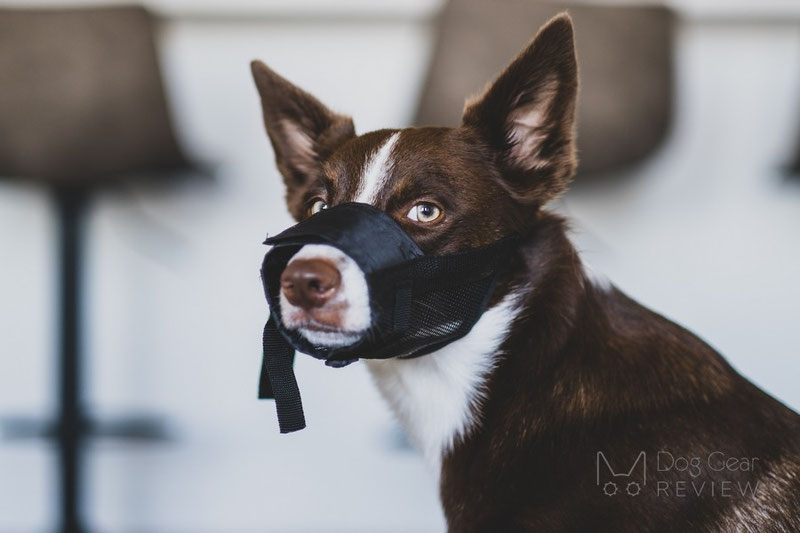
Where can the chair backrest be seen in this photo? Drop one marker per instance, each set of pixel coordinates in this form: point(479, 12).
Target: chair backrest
point(625, 69)
point(81, 96)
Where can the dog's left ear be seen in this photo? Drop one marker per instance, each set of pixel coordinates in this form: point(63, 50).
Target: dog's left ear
point(527, 115)
point(302, 130)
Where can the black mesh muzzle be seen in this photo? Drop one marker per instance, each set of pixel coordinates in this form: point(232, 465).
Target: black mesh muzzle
point(418, 303)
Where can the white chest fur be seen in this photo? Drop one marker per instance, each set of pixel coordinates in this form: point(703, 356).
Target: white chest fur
point(437, 397)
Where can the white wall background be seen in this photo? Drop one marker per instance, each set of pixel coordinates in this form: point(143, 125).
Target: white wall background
point(706, 232)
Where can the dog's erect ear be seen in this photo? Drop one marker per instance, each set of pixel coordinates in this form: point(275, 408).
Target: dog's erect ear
point(302, 130)
point(527, 115)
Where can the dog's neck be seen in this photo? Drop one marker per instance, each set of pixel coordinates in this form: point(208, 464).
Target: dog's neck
point(437, 398)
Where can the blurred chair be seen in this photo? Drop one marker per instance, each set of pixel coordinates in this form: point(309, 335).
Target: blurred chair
point(794, 166)
point(82, 107)
point(625, 67)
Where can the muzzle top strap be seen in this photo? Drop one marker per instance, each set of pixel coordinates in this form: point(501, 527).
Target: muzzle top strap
point(278, 381)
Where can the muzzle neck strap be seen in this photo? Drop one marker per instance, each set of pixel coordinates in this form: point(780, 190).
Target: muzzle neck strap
point(278, 381)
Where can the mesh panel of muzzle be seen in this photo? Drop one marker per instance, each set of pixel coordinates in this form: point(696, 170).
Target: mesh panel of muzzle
point(432, 314)
point(437, 315)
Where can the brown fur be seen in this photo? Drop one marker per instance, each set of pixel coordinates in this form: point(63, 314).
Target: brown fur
point(584, 369)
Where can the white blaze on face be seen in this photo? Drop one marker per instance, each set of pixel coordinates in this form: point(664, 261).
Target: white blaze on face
point(351, 301)
point(376, 171)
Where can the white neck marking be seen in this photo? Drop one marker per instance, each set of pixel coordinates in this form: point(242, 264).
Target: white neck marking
point(437, 397)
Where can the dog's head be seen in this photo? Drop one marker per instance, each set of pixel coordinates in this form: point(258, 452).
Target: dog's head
point(449, 188)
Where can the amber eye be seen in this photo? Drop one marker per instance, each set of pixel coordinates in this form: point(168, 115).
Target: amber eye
point(317, 206)
point(425, 212)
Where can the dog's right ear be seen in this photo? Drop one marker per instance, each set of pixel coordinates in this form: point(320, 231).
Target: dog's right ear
point(302, 130)
point(527, 115)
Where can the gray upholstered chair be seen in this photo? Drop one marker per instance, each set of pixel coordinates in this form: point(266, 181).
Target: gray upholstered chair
point(82, 107)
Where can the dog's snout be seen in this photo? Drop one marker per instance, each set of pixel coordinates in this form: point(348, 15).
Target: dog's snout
point(309, 283)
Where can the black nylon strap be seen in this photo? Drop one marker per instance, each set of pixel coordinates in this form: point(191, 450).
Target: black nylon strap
point(278, 382)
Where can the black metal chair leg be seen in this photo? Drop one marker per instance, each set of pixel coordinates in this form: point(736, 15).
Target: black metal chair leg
point(71, 206)
point(73, 426)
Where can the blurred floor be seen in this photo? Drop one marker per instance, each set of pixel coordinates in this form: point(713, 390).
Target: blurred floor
point(704, 232)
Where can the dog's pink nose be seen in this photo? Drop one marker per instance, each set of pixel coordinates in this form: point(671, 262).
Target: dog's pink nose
point(310, 283)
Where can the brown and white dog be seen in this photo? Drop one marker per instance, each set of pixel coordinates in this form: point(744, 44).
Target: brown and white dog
point(568, 407)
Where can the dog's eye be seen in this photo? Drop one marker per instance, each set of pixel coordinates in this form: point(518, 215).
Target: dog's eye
point(424, 212)
point(317, 206)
